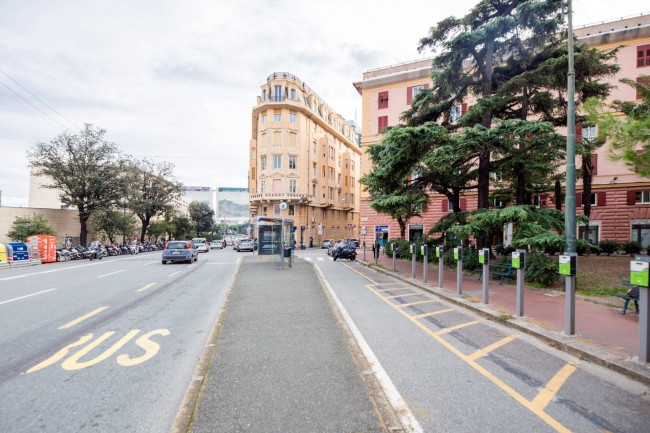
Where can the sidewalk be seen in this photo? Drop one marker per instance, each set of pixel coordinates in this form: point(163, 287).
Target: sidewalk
point(603, 335)
point(282, 361)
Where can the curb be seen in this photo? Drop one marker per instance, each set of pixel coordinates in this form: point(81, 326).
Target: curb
point(569, 344)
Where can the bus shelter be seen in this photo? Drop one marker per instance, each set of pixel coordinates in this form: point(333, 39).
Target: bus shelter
point(275, 238)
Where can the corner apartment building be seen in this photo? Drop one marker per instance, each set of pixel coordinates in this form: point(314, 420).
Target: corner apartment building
point(620, 199)
point(303, 153)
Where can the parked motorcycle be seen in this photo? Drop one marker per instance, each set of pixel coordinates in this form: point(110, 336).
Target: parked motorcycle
point(346, 253)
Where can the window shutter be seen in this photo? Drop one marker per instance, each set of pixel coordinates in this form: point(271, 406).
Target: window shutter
point(543, 200)
point(463, 108)
point(409, 95)
point(643, 81)
point(578, 133)
point(463, 204)
point(383, 100)
point(426, 86)
point(445, 205)
point(601, 198)
point(631, 197)
point(578, 199)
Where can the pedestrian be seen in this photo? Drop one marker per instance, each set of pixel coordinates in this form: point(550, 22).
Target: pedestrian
point(311, 242)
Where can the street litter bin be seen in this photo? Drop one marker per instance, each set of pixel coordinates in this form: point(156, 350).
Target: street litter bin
point(287, 251)
point(46, 246)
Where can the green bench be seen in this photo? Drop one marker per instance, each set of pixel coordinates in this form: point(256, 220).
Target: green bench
point(502, 270)
point(628, 298)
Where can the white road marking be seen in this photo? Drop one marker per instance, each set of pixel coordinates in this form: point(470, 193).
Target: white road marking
point(26, 296)
point(393, 395)
point(320, 259)
point(116, 272)
point(307, 258)
point(150, 263)
point(60, 269)
point(215, 263)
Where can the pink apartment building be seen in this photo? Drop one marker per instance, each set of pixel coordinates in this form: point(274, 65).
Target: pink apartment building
point(620, 199)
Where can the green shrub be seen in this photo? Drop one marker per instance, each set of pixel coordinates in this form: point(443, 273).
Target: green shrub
point(448, 259)
point(632, 247)
point(504, 250)
point(541, 269)
point(608, 247)
point(551, 250)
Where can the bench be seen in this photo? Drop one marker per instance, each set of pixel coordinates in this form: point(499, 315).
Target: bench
point(628, 298)
point(502, 270)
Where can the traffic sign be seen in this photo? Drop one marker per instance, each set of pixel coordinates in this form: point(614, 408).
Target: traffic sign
point(283, 205)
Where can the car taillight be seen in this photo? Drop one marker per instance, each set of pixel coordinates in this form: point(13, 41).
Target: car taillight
point(187, 246)
point(166, 245)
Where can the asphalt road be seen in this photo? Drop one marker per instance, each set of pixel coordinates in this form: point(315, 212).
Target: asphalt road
point(105, 346)
point(458, 372)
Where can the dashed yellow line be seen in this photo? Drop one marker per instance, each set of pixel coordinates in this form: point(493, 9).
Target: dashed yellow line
point(82, 318)
point(482, 352)
point(142, 289)
point(402, 296)
point(174, 273)
point(396, 288)
point(416, 303)
point(553, 386)
point(433, 313)
point(536, 406)
point(453, 328)
point(193, 264)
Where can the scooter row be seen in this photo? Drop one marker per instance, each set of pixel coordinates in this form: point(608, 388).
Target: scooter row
point(98, 251)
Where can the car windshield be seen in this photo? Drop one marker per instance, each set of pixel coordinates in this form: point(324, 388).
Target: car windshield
point(178, 245)
point(198, 241)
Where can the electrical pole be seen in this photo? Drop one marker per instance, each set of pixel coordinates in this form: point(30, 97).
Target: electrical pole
point(570, 198)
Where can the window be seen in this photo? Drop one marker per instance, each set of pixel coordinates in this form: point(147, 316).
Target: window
point(593, 199)
point(314, 148)
point(277, 162)
point(643, 56)
point(590, 132)
point(291, 209)
point(293, 185)
point(645, 82)
point(352, 198)
point(324, 213)
point(264, 210)
point(322, 189)
point(331, 173)
point(277, 93)
point(642, 197)
point(382, 122)
point(253, 173)
point(292, 95)
point(313, 170)
point(264, 118)
point(263, 163)
point(293, 139)
point(293, 117)
point(313, 190)
point(293, 162)
point(331, 193)
point(454, 114)
point(383, 100)
point(276, 210)
point(277, 185)
point(263, 186)
point(323, 171)
point(412, 91)
point(264, 95)
point(277, 138)
point(277, 116)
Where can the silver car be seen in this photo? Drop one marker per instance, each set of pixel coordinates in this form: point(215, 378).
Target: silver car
point(201, 245)
point(245, 245)
point(180, 251)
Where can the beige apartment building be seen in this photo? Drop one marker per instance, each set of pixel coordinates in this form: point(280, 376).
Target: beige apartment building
point(303, 153)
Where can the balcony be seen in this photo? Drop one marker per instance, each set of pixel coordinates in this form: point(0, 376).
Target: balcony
point(289, 197)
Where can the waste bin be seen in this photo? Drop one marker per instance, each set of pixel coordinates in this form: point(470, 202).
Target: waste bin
point(3, 256)
point(46, 246)
point(287, 251)
point(19, 252)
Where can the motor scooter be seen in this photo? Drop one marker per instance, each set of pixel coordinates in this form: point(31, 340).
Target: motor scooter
point(346, 253)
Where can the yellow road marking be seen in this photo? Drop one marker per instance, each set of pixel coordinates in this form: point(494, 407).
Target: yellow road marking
point(553, 386)
point(498, 382)
point(396, 288)
point(378, 284)
point(142, 289)
point(82, 318)
point(173, 273)
point(482, 352)
point(453, 328)
point(416, 303)
point(402, 296)
point(419, 316)
point(193, 264)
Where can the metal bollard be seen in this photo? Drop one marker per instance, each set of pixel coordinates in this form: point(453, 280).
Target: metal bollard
point(425, 257)
point(364, 251)
point(394, 257)
point(639, 270)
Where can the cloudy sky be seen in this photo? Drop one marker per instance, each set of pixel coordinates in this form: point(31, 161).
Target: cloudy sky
point(176, 80)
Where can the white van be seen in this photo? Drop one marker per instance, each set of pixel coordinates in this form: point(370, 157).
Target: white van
point(201, 245)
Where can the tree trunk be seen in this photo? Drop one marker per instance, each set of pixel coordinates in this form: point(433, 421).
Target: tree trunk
point(521, 173)
point(145, 224)
point(587, 179)
point(402, 228)
point(558, 195)
point(83, 222)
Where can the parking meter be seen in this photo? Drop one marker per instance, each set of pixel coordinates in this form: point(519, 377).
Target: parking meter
point(440, 251)
point(519, 263)
point(519, 259)
point(458, 255)
point(639, 272)
point(484, 259)
point(568, 264)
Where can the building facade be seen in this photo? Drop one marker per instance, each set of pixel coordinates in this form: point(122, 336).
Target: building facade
point(232, 205)
point(620, 198)
point(305, 154)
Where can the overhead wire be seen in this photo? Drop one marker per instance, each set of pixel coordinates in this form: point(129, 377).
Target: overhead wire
point(39, 100)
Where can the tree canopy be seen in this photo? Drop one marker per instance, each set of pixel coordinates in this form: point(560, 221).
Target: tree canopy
point(202, 215)
point(23, 227)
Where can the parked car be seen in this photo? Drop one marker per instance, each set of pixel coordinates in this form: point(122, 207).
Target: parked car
point(201, 245)
point(326, 243)
point(245, 245)
point(180, 251)
point(216, 244)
